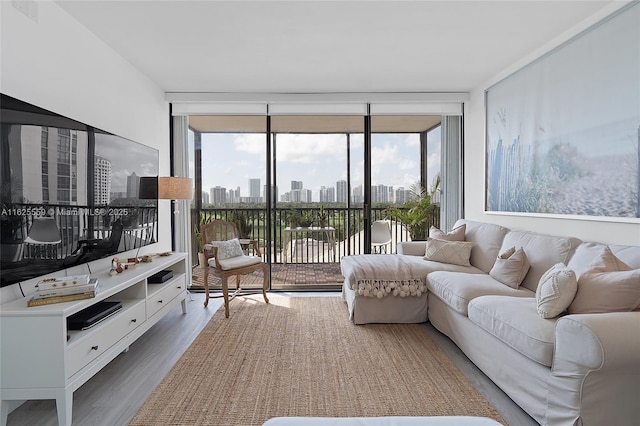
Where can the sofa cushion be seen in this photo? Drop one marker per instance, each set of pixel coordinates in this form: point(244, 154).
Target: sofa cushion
point(487, 239)
point(456, 234)
point(454, 252)
point(457, 289)
point(514, 321)
point(555, 291)
point(586, 252)
point(607, 285)
point(543, 251)
point(511, 267)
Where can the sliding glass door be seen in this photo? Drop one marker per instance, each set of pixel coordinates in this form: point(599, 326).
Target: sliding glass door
point(311, 214)
point(309, 188)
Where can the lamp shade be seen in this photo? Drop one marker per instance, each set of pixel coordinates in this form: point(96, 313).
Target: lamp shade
point(44, 230)
point(175, 188)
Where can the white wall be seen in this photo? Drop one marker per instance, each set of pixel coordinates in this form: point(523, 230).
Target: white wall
point(57, 64)
point(609, 232)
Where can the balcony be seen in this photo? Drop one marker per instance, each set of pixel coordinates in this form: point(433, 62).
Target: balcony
point(304, 259)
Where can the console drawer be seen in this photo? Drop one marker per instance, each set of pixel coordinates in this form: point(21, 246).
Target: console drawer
point(104, 336)
point(162, 297)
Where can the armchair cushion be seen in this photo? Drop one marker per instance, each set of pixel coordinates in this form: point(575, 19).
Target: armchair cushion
point(235, 262)
point(228, 249)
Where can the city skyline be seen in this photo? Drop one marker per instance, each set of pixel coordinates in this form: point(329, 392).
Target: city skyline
point(299, 194)
point(232, 159)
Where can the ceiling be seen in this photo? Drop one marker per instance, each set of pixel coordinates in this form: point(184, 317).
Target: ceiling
point(326, 46)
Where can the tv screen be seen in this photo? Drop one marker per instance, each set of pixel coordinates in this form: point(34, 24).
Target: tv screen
point(70, 193)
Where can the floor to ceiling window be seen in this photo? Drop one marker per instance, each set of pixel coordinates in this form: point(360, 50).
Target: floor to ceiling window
point(308, 187)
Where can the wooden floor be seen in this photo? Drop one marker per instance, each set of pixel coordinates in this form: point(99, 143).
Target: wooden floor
point(114, 395)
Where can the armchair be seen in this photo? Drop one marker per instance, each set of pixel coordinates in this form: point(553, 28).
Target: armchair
point(225, 258)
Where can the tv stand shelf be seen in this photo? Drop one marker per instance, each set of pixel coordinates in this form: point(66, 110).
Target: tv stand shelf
point(41, 359)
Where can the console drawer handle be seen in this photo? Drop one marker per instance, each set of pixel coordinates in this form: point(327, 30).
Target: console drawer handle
point(160, 301)
point(134, 320)
point(94, 348)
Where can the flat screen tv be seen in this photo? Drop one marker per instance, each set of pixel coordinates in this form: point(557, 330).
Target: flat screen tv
point(70, 193)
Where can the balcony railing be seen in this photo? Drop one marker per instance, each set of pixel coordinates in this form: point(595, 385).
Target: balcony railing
point(311, 247)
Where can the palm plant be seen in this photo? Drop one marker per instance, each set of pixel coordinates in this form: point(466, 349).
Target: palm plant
point(416, 214)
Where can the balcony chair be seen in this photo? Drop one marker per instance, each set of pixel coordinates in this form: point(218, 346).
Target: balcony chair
point(225, 258)
point(380, 236)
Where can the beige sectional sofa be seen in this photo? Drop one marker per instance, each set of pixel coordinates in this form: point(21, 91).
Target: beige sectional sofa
point(578, 369)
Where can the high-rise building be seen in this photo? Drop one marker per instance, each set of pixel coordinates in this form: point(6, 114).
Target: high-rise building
point(342, 191)
point(205, 197)
point(133, 185)
point(218, 195)
point(306, 195)
point(327, 195)
point(102, 185)
point(295, 195)
point(357, 196)
point(254, 188)
point(296, 184)
point(380, 194)
point(401, 195)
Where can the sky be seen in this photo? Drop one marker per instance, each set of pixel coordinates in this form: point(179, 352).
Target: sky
point(230, 160)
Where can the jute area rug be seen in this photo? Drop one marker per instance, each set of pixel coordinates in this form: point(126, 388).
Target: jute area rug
point(303, 357)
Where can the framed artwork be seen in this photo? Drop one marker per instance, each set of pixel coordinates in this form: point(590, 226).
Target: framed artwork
point(563, 133)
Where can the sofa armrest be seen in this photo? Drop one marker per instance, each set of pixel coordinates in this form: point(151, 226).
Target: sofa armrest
point(412, 248)
point(607, 341)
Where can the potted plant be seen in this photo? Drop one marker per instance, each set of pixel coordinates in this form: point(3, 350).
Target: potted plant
point(243, 224)
point(416, 213)
point(322, 217)
point(294, 217)
point(307, 219)
point(202, 261)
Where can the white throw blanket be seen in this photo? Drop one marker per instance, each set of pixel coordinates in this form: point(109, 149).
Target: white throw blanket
point(377, 275)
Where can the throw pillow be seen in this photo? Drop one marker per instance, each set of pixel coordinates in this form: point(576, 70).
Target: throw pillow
point(228, 249)
point(511, 267)
point(454, 252)
point(555, 291)
point(607, 285)
point(456, 234)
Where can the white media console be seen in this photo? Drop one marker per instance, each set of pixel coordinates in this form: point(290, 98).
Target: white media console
point(41, 359)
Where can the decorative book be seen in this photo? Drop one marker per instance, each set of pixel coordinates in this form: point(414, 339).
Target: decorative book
point(91, 287)
point(63, 282)
point(59, 299)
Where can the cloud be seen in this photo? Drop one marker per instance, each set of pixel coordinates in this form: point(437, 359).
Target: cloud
point(251, 143)
point(296, 148)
